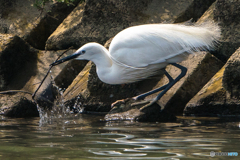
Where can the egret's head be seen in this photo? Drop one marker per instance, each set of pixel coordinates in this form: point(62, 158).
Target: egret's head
point(86, 52)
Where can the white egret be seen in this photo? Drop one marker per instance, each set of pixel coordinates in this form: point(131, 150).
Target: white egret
point(141, 51)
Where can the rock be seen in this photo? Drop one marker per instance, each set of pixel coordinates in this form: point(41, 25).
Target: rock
point(22, 67)
point(34, 26)
point(194, 11)
point(94, 94)
point(15, 53)
point(219, 97)
point(100, 20)
point(226, 14)
point(231, 75)
point(69, 73)
point(199, 73)
point(18, 106)
point(129, 109)
point(23, 109)
point(44, 59)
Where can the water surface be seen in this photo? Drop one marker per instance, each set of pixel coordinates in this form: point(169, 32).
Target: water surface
point(88, 137)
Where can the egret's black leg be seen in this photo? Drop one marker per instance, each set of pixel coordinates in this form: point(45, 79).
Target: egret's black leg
point(182, 74)
point(169, 85)
point(142, 96)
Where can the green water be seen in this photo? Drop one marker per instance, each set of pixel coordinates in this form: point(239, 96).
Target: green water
point(87, 137)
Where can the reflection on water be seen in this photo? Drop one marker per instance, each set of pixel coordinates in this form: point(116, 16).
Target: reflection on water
point(87, 137)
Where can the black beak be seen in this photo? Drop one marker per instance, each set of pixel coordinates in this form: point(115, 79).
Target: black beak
point(64, 59)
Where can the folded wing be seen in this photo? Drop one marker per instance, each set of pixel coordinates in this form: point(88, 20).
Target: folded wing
point(145, 45)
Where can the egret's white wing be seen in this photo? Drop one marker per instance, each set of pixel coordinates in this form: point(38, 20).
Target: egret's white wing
point(144, 45)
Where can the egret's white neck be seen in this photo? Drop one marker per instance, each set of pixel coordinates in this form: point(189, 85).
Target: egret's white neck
point(103, 62)
point(102, 58)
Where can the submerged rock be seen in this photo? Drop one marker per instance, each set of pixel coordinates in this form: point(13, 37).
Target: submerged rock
point(219, 97)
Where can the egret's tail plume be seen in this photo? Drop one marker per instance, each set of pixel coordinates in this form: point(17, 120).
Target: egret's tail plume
point(211, 33)
point(198, 37)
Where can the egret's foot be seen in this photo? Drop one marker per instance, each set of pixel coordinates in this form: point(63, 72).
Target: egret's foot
point(148, 105)
point(122, 101)
point(143, 102)
point(144, 111)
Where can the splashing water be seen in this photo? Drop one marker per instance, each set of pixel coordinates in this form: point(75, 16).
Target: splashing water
point(58, 112)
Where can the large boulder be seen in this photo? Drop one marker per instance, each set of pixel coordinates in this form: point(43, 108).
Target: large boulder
point(100, 20)
point(15, 53)
point(220, 96)
point(33, 25)
point(226, 14)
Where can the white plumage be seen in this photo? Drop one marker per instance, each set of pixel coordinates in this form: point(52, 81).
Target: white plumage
point(141, 51)
point(142, 45)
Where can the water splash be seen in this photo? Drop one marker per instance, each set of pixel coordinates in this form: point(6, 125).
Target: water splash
point(53, 108)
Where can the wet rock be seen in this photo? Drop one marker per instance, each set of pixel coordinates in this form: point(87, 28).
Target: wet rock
point(31, 24)
point(201, 67)
point(46, 97)
point(23, 109)
point(18, 105)
point(100, 20)
point(220, 96)
point(226, 14)
point(130, 109)
point(15, 53)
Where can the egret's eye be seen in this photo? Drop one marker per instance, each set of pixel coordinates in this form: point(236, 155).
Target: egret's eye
point(83, 51)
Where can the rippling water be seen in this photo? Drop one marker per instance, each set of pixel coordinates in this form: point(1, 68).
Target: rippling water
point(87, 137)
